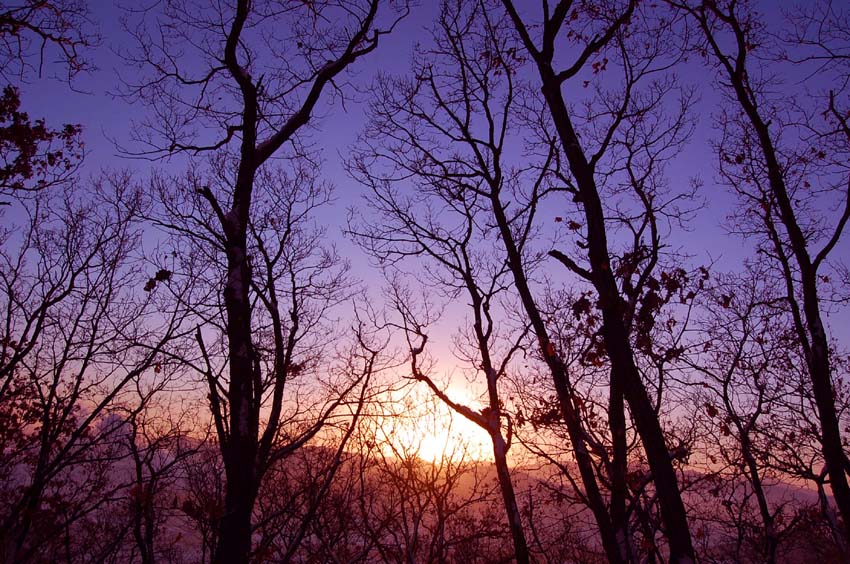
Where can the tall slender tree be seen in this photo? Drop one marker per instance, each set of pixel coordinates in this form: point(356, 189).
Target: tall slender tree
point(250, 82)
point(774, 155)
point(596, 32)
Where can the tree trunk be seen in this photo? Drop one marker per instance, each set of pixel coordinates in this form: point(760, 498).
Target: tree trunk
point(234, 545)
point(619, 466)
point(240, 450)
point(820, 373)
point(770, 540)
point(509, 497)
point(559, 376)
point(615, 334)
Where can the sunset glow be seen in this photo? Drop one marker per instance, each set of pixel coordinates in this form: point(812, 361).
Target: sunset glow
point(432, 432)
point(441, 281)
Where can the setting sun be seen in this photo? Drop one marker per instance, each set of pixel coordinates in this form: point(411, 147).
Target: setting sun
point(391, 281)
point(430, 431)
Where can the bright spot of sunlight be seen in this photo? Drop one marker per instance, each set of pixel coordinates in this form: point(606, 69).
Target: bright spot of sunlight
point(428, 429)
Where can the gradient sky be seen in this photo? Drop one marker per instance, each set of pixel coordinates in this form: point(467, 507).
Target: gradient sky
point(106, 118)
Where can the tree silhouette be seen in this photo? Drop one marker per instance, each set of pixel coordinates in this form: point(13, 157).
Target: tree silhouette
point(773, 175)
point(196, 366)
point(220, 96)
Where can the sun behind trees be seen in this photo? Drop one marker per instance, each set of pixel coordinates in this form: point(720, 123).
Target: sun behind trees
point(529, 340)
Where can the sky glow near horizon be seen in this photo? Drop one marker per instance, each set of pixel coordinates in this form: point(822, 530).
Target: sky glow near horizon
point(106, 120)
point(428, 429)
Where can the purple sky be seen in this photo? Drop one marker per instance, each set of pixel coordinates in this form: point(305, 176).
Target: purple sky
point(106, 118)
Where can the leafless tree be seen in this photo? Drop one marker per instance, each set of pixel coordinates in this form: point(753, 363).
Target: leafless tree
point(484, 355)
point(574, 42)
point(448, 129)
point(416, 509)
point(76, 333)
point(741, 370)
point(773, 153)
point(446, 223)
point(249, 83)
point(31, 30)
point(202, 497)
point(297, 287)
point(162, 433)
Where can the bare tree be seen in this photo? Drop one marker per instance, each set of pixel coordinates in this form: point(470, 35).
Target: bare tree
point(773, 154)
point(162, 433)
point(202, 496)
point(251, 81)
point(76, 333)
point(449, 130)
point(576, 39)
point(31, 30)
point(741, 369)
point(462, 88)
point(415, 509)
point(314, 477)
point(297, 288)
point(484, 356)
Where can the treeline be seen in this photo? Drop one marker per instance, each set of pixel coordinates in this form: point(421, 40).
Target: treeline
point(190, 370)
